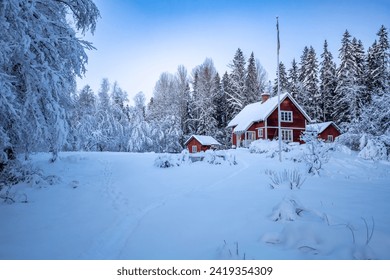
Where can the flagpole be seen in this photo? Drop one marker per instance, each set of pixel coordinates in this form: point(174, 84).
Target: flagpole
point(279, 113)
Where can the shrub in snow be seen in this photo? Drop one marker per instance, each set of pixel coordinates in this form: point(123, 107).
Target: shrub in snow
point(266, 146)
point(373, 149)
point(350, 140)
point(230, 252)
point(219, 157)
point(288, 210)
point(316, 152)
point(164, 161)
point(291, 178)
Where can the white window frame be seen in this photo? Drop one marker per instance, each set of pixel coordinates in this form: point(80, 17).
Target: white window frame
point(287, 135)
point(252, 137)
point(260, 133)
point(330, 138)
point(286, 116)
point(194, 149)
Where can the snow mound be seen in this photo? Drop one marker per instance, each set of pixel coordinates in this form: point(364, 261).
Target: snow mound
point(374, 149)
point(289, 209)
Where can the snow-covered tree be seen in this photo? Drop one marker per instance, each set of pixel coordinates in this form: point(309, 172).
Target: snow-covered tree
point(327, 83)
point(378, 60)
point(183, 95)
point(236, 93)
point(204, 92)
point(283, 79)
point(139, 137)
point(293, 79)
point(39, 61)
point(262, 79)
point(345, 81)
point(251, 82)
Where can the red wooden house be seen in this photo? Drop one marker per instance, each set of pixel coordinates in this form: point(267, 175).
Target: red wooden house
point(260, 121)
point(327, 131)
point(199, 143)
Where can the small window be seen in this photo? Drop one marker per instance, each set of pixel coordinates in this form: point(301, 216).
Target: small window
point(287, 135)
point(330, 138)
point(250, 135)
point(194, 149)
point(286, 116)
point(260, 133)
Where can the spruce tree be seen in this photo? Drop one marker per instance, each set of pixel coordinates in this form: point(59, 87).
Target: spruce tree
point(283, 79)
point(251, 83)
point(379, 63)
point(345, 81)
point(293, 79)
point(236, 95)
point(327, 83)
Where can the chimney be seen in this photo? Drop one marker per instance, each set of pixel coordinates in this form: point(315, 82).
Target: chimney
point(264, 97)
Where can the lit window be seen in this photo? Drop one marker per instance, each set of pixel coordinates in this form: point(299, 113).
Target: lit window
point(286, 116)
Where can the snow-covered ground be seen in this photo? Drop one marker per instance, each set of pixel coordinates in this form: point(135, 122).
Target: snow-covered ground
point(121, 206)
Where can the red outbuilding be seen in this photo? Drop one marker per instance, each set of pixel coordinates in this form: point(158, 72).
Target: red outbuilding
point(327, 131)
point(199, 143)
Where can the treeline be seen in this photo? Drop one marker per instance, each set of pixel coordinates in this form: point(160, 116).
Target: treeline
point(354, 94)
point(182, 105)
point(343, 93)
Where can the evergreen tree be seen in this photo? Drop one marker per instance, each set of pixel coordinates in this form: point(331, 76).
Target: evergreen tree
point(236, 94)
point(251, 82)
point(379, 63)
point(227, 87)
point(283, 79)
point(293, 79)
point(303, 95)
point(327, 83)
point(314, 103)
point(345, 81)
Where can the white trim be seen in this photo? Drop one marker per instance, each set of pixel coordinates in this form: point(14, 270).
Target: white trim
point(288, 114)
point(260, 132)
point(329, 138)
point(290, 133)
point(194, 149)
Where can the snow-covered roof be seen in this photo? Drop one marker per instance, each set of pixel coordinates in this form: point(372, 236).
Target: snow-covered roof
point(320, 127)
point(204, 140)
point(259, 111)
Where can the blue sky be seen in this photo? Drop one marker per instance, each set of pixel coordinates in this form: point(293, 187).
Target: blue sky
point(137, 40)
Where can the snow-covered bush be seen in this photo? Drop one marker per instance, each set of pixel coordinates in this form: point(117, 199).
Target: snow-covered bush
point(290, 178)
point(271, 148)
point(219, 157)
point(370, 147)
point(165, 161)
point(287, 210)
point(316, 152)
point(373, 149)
point(350, 140)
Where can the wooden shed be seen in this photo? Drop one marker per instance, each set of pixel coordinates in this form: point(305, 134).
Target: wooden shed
point(327, 131)
point(199, 143)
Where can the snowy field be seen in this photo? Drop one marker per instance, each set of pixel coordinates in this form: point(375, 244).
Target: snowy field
point(121, 206)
